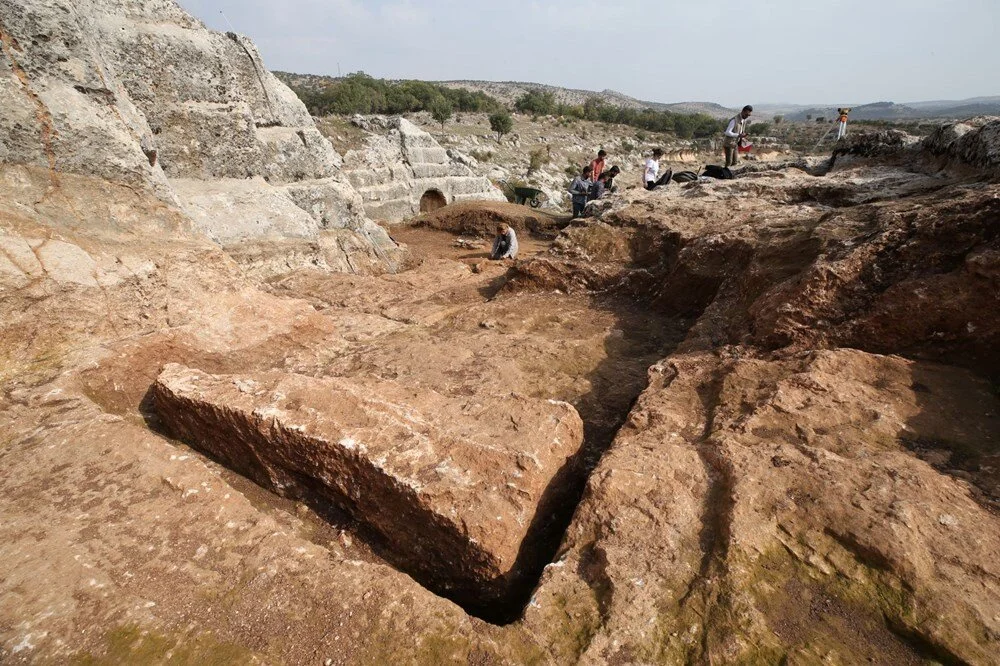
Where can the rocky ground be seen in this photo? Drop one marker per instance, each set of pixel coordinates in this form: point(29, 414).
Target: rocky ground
point(791, 430)
point(563, 146)
point(747, 421)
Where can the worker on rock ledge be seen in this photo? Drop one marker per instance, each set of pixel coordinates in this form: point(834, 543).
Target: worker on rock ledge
point(505, 244)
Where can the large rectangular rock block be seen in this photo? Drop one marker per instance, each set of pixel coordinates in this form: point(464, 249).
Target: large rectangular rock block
point(457, 489)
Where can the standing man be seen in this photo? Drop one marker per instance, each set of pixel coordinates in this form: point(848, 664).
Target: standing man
point(580, 189)
point(735, 130)
point(597, 165)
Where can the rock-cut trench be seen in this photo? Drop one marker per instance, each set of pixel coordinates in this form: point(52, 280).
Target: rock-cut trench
point(443, 329)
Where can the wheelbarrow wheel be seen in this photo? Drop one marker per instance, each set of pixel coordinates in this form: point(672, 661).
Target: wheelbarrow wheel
point(535, 203)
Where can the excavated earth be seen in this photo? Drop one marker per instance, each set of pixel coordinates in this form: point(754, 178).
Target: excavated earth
point(752, 421)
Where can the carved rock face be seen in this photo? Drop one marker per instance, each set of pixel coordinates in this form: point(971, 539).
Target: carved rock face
point(454, 488)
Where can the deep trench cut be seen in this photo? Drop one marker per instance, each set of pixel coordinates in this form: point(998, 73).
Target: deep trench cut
point(455, 489)
point(591, 351)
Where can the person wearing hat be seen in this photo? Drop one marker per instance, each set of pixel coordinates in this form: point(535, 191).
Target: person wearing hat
point(735, 131)
point(652, 170)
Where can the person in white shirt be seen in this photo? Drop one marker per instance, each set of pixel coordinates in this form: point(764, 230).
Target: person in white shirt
point(735, 130)
point(652, 170)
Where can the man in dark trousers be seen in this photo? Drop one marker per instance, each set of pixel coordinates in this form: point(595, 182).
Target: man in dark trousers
point(736, 129)
point(580, 189)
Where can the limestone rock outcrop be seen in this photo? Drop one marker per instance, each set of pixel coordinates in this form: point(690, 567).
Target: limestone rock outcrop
point(787, 386)
point(143, 94)
point(975, 143)
point(454, 488)
point(785, 516)
point(403, 171)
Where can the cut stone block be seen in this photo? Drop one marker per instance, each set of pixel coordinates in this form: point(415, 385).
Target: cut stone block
point(454, 487)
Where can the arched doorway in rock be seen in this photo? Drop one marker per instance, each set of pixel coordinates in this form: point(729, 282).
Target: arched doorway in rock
point(432, 200)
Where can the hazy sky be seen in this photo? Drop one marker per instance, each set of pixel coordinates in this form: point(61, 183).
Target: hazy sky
point(795, 51)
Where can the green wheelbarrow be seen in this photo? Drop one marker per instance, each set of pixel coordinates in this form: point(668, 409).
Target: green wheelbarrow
point(524, 195)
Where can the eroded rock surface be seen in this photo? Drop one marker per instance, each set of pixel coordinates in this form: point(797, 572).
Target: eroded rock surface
point(805, 474)
point(784, 516)
point(454, 488)
point(143, 94)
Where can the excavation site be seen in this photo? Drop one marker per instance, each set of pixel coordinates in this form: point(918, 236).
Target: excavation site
point(266, 398)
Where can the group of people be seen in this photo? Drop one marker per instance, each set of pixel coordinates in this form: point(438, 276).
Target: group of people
point(594, 181)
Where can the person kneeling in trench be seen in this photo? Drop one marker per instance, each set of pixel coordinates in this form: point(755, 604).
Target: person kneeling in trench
point(505, 244)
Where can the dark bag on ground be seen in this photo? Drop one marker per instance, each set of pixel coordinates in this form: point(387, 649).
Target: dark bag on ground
point(716, 171)
point(685, 177)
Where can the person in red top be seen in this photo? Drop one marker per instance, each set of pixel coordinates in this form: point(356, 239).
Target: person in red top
point(597, 165)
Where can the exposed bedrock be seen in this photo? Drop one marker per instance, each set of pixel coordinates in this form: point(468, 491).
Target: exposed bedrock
point(141, 93)
point(457, 490)
point(783, 515)
point(912, 268)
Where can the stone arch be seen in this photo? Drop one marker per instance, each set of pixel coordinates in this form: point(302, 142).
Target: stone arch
point(432, 200)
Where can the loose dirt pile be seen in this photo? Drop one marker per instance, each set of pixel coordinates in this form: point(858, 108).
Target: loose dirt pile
point(481, 219)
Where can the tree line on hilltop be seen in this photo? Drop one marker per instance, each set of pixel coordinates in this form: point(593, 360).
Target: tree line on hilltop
point(361, 93)
point(684, 125)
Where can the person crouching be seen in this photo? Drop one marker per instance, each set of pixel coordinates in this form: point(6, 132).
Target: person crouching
point(650, 181)
point(580, 189)
point(505, 244)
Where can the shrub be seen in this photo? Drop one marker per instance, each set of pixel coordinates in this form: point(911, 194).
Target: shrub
point(536, 103)
point(501, 123)
point(481, 155)
point(360, 93)
point(441, 111)
point(537, 158)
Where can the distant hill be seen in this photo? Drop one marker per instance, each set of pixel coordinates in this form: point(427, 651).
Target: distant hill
point(708, 108)
point(507, 92)
point(958, 109)
point(948, 105)
point(876, 111)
